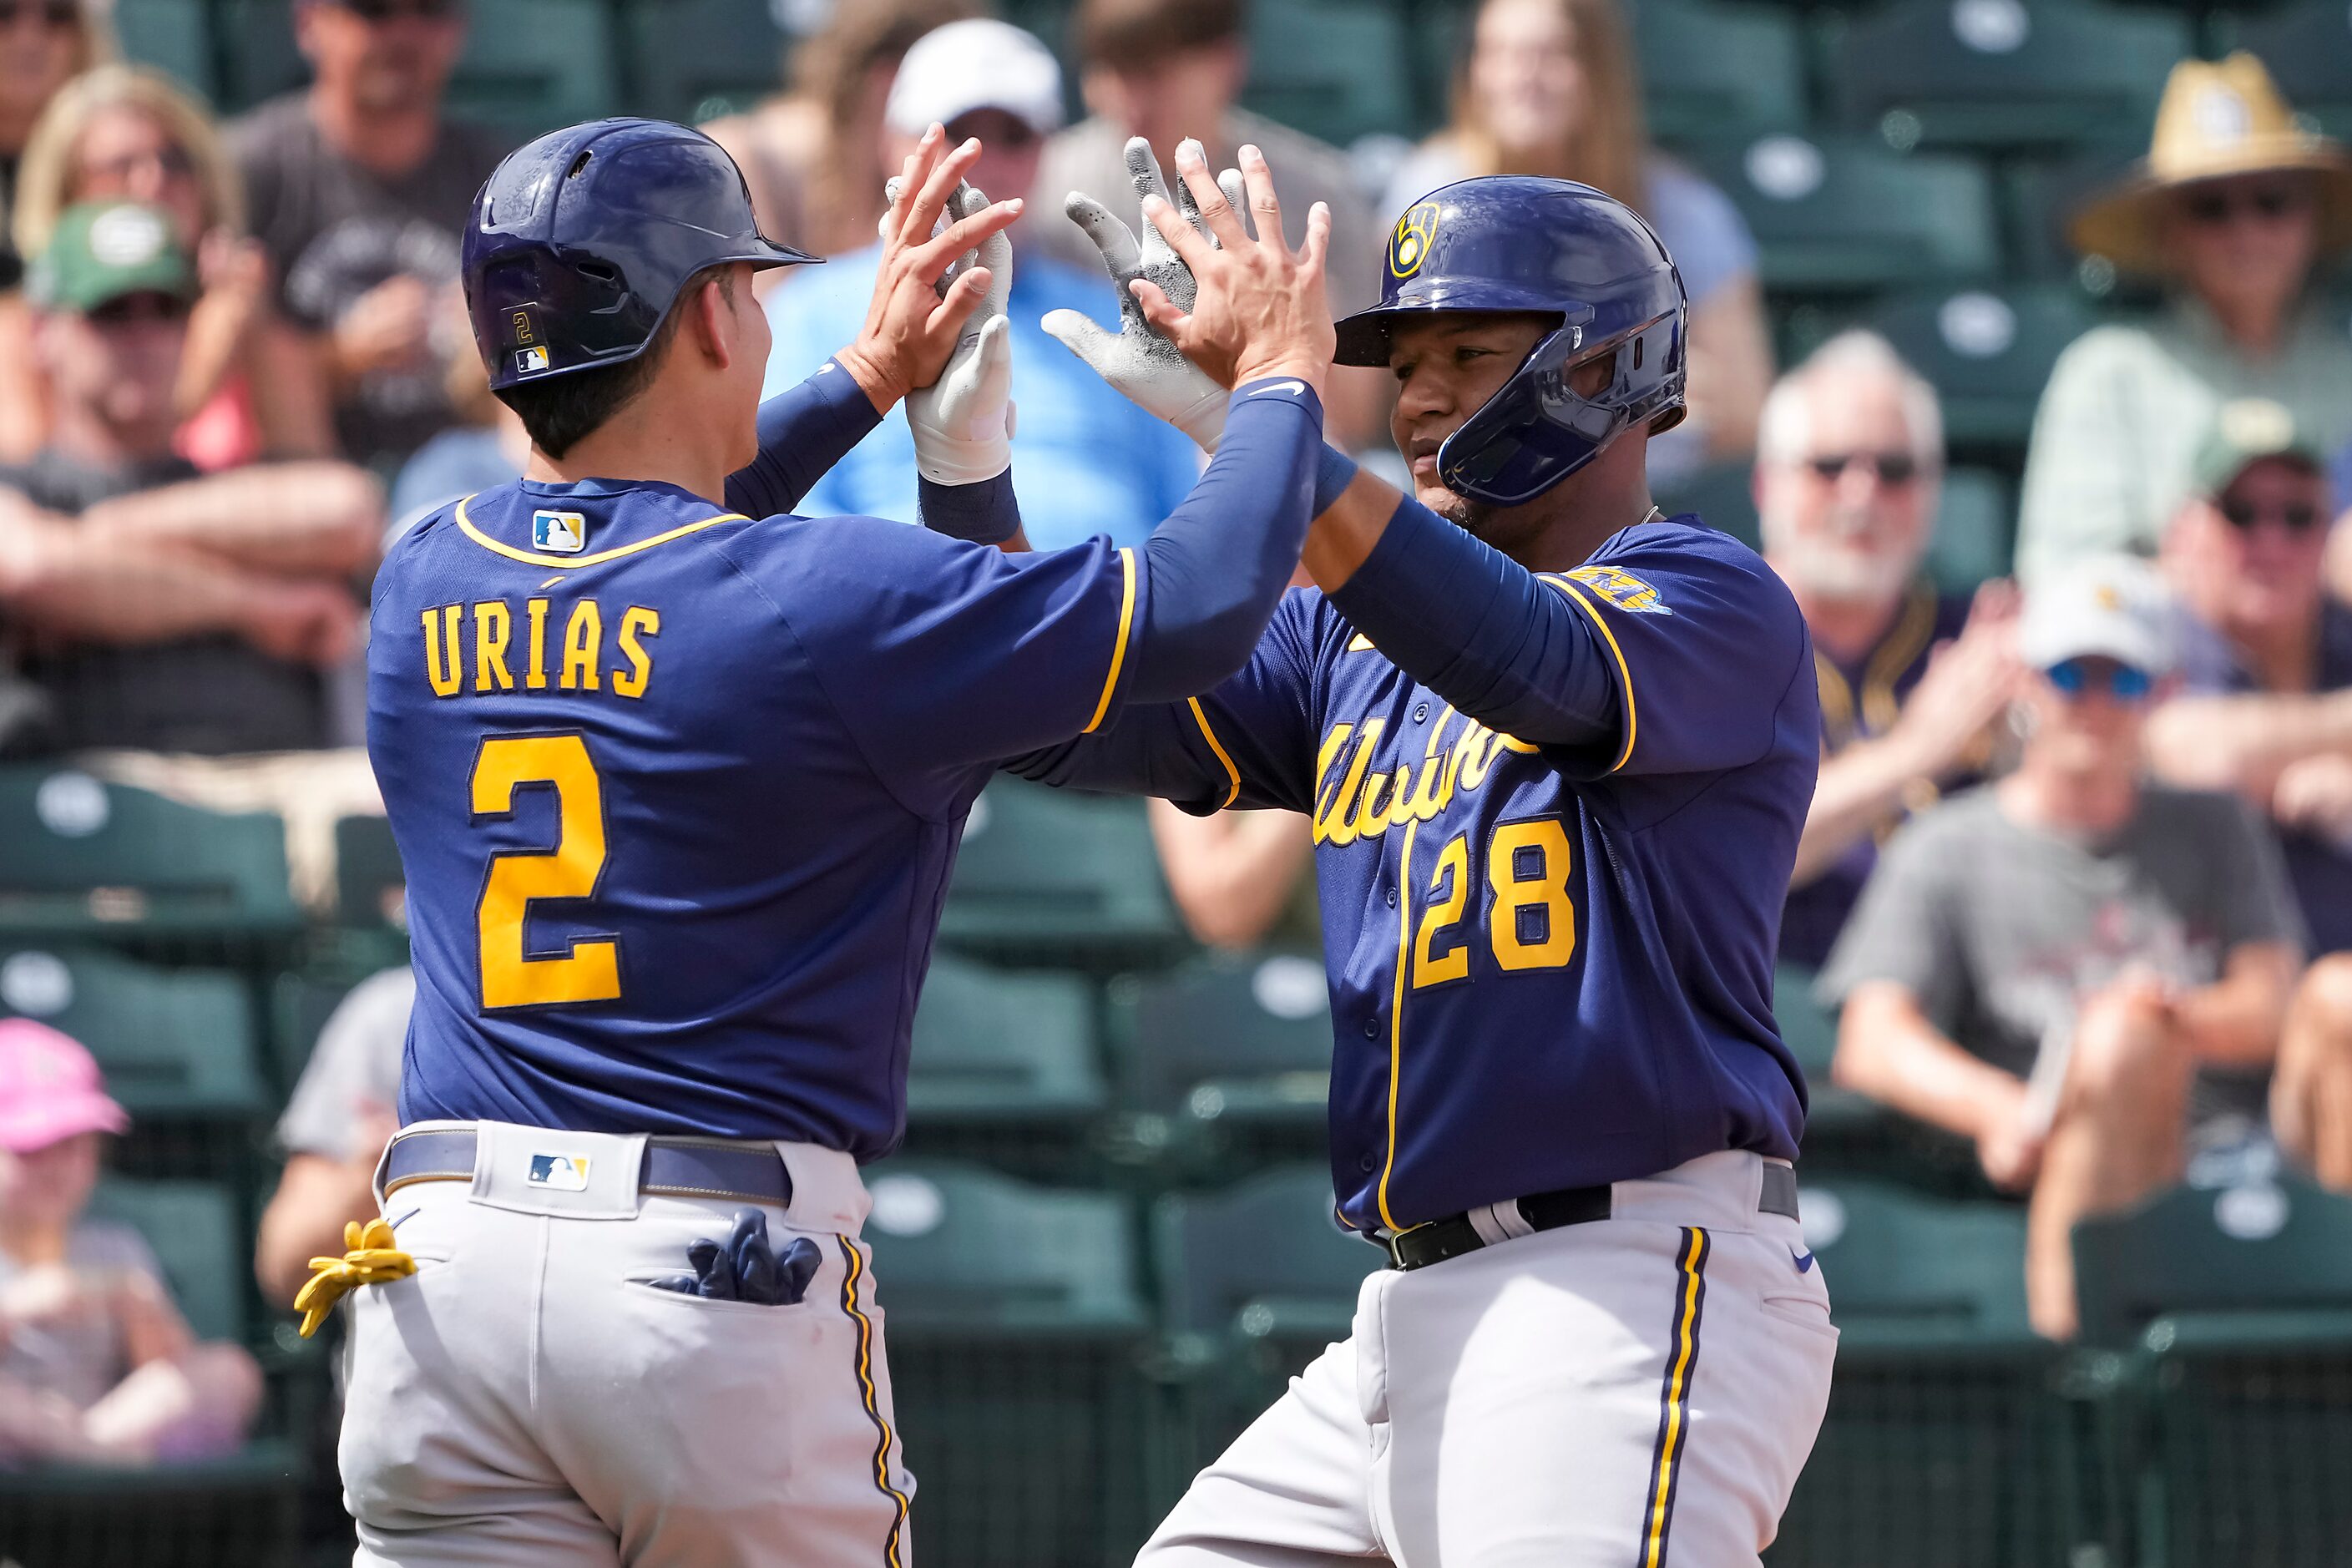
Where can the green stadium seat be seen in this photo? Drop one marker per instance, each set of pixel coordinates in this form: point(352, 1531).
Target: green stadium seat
point(2040, 199)
point(370, 884)
point(2237, 1430)
point(1004, 1067)
point(1944, 1446)
point(1988, 352)
point(1056, 878)
point(1711, 70)
point(1722, 495)
point(1328, 68)
point(1226, 1059)
point(79, 857)
point(2307, 48)
point(1846, 215)
point(192, 1228)
point(1016, 1333)
point(693, 60)
point(263, 60)
point(178, 1048)
point(176, 37)
point(1975, 531)
point(2003, 74)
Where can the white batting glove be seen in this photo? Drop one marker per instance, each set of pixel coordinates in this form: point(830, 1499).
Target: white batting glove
point(963, 421)
point(1137, 360)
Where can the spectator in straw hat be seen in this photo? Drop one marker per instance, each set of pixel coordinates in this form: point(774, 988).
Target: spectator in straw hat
point(2233, 208)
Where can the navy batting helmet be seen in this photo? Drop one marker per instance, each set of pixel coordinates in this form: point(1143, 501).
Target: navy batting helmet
point(1511, 243)
point(580, 241)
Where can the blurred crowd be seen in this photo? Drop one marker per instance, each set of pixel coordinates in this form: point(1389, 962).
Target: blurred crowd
point(2079, 869)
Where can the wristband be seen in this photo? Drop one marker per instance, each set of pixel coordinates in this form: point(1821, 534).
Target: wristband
point(982, 514)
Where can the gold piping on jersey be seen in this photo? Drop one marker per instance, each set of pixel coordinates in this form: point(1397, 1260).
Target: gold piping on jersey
point(1119, 649)
point(1625, 676)
point(1232, 774)
point(1396, 1012)
point(1674, 1398)
point(574, 563)
point(853, 1259)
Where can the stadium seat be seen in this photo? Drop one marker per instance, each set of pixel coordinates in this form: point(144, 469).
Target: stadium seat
point(1841, 216)
point(1722, 495)
point(178, 1047)
point(2003, 74)
point(85, 859)
point(1328, 68)
point(1226, 1060)
point(1988, 352)
point(2307, 48)
point(2040, 199)
point(1004, 1067)
point(1711, 70)
point(1944, 1446)
point(696, 59)
point(371, 885)
point(175, 37)
point(1975, 530)
point(1015, 1336)
point(1053, 878)
point(2237, 1432)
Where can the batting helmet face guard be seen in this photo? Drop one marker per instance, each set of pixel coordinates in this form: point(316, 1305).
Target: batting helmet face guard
point(1507, 243)
point(582, 240)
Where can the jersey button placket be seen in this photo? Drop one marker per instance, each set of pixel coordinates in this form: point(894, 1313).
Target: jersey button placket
point(1371, 1028)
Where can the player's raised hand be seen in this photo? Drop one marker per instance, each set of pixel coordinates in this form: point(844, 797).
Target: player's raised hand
point(1137, 359)
point(962, 422)
point(1258, 307)
point(921, 298)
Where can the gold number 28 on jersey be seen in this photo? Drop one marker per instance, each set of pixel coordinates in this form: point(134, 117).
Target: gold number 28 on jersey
point(510, 976)
point(1533, 924)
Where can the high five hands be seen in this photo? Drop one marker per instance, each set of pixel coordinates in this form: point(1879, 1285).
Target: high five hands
point(1205, 304)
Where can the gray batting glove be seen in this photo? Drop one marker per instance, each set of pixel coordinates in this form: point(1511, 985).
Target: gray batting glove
point(1137, 359)
point(963, 421)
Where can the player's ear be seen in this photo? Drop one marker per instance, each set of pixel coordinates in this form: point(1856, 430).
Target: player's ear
point(713, 323)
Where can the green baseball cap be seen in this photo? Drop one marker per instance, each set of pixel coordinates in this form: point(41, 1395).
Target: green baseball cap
point(2245, 430)
point(103, 250)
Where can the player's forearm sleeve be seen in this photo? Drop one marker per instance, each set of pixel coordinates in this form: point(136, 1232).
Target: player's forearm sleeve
point(1218, 565)
point(1483, 632)
point(985, 513)
point(803, 431)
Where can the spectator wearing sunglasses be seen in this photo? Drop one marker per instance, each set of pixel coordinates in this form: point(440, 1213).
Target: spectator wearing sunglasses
point(2083, 976)
point(157, 609)
point(2233, 208)
point(1085, 459)
point(358, 188)
point(1850, 453)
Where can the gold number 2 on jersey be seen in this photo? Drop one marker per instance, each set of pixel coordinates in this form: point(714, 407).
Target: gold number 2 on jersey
point(1527, 866)
point(510, 976)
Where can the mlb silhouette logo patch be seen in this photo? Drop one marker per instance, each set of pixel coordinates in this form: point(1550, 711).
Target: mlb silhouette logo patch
point(559, 532)
point(530, 362)
point(559, 1172)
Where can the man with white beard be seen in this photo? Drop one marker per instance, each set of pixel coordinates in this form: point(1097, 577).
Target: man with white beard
point(1850, 457)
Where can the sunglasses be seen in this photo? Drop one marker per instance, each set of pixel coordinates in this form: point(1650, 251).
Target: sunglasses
point(392, 10)
point(1893, 469)
point(171, 160)
point(128, 310)
point(2123, 682)
point(2213, 209)
point(2296, 517)
point(48, 13)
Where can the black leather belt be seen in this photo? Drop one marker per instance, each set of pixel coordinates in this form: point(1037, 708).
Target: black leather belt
point(1454, 1235)
point(674, 1167)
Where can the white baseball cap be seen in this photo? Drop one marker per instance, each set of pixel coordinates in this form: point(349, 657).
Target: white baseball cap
point(977, 64)
point(2108, 606)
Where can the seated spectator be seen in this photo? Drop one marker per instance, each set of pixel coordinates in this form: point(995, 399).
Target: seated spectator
point(1849, 455)
point(248, 386)
point(1550, 88)
point(2266, 706)
point(333, 1133)
point(812, 157)
point(97, 1366)
point(2233, 208)
point(1167, 69)
point(1085, 459)
point(46, 44)
point(158, 609)
point(358, 189)
point(2079, 973)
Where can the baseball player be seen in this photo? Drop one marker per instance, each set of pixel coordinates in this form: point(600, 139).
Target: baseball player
point(1557, 751)
point(677, 785)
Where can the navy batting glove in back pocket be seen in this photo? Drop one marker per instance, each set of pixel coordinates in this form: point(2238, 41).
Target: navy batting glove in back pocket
point(745, 1267)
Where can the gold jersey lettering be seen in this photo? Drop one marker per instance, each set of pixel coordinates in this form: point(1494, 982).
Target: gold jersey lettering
point(584, 647)
point(636, 624)
point(1365, 801)
point(492, 623)
point(441, 653)
point(537, 680)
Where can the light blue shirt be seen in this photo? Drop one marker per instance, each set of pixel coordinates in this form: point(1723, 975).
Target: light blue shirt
point(1085, 459)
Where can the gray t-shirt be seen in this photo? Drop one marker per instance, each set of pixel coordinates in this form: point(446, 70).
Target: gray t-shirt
point(2001, 929)
point(82, 1355)
point(354, 1068)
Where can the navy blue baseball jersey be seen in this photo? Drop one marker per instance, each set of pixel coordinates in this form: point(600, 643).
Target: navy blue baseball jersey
point(1550, 966)
point(678, 793)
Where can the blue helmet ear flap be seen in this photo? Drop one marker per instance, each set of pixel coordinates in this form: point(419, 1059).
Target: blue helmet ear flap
point(1535, 431)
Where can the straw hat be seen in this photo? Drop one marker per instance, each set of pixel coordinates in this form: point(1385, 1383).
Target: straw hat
point(2217, 119)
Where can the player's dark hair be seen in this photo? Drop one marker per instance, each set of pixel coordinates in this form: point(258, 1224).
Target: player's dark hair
point(564, 410)
point(1136, 35)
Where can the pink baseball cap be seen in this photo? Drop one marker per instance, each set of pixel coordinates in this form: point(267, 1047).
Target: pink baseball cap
point(49, 1088)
